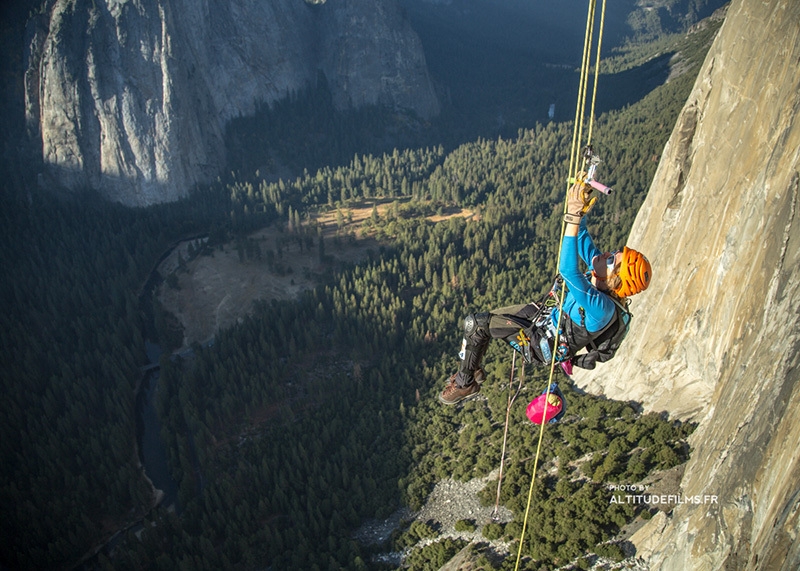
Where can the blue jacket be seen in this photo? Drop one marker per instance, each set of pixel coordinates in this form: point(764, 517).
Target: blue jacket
point(598, 307)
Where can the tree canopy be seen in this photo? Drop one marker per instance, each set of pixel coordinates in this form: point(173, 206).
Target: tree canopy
point(313, 415)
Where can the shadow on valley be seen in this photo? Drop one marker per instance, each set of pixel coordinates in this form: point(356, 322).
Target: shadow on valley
point(491, 82)
point(309, 416)
point(619, 90)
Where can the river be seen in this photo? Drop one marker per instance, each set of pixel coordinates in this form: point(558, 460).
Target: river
point(152, 451)
point(151, 448)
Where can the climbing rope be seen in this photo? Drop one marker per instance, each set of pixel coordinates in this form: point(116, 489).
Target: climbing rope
point(577, 130)
point(596, 71)
point(512, 396)
point(574, 167)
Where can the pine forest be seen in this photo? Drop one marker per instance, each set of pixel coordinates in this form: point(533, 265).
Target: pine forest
point(312, 416)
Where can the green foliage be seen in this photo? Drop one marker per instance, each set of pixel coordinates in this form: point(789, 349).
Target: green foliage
point(658, 20)
point(610, 551)
point(72, 333)
point(572, 511)
point(418, 531)
point(492, 531)
point(305, 132)
point(691, 48)
point(313, 415)
point(433, 556)
point(465, 525)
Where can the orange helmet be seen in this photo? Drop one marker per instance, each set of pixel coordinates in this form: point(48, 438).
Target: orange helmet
point(635, 273)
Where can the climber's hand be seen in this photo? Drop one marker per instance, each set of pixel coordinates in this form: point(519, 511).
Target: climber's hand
point(579, 199)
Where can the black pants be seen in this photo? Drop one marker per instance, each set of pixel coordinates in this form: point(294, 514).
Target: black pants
point(514, 324)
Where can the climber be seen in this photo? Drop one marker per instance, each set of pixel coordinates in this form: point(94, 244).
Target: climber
point(595, 309)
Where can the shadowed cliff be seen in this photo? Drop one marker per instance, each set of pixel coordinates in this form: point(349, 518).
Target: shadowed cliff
point(132, 98)
point(716, 336)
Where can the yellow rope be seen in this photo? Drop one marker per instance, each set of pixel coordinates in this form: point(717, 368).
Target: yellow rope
point(584, 87)
point(574, 164)
point(539, 443)
point(581, 86)
point(596, 71)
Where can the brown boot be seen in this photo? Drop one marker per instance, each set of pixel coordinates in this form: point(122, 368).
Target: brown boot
point(453, 394)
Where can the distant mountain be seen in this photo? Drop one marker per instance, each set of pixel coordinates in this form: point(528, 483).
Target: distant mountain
point(555, 30)
point(499, 65)
point(132, 99)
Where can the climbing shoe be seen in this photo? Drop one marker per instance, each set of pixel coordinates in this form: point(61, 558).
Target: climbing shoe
point(453, 394)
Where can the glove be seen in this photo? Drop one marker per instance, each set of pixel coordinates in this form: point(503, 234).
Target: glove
point(579, 201)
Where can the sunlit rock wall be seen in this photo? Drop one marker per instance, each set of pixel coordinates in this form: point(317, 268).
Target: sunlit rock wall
point(131, 97)
point(716, 336)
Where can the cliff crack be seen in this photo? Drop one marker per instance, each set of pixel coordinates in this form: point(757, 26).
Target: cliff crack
point(794, 187)
point(685, 138)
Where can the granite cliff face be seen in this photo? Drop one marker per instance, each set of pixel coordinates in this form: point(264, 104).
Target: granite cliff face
point(717, 335)
point(131, 97)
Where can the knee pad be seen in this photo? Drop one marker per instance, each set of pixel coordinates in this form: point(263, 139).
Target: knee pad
point(475, 321)
point(476, 338)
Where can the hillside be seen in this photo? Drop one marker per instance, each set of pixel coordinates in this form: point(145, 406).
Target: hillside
point(348, 374)
point(314, 411)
